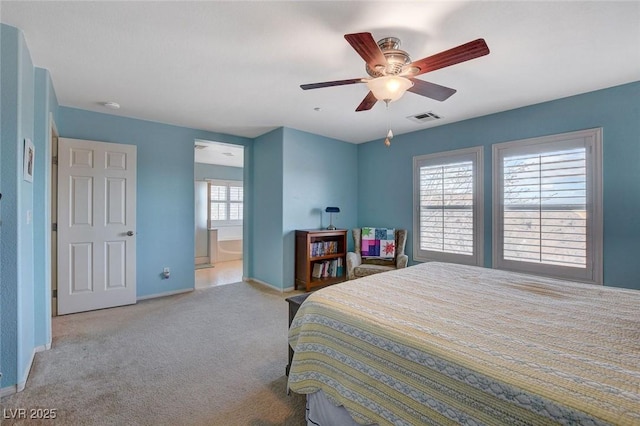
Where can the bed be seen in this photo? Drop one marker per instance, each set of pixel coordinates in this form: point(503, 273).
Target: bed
point(439, 343)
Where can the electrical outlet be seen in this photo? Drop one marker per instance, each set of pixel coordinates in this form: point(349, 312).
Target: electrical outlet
point(166, 272)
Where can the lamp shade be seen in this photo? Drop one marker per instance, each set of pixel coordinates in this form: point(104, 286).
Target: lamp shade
point(389, 88)
point(332, 210)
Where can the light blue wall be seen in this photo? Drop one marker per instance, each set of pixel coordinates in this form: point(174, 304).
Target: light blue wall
point(318, 172)
point(17, 245)
point(295, 176)
point(2, 138)
point(266, 217)
point(10, 40)
point(616, 110)
point(165, 196)
point(215, 171)
point(26, 264)
point(46, 108)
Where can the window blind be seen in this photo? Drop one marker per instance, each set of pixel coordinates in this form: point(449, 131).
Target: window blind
point(227, 200)
point(236, 194)
point(545, 207)
point(218, 202)
point(446, 208)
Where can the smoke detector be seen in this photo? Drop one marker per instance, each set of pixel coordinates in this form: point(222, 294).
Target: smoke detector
point(110, 105)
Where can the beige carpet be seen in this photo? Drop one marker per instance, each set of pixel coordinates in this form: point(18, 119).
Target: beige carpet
point(211, 357)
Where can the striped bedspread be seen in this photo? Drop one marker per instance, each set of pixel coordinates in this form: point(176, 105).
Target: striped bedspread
point(440, 343)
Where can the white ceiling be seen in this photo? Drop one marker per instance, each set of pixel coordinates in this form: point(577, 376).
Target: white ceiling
point(235, 67)
point(222, 154)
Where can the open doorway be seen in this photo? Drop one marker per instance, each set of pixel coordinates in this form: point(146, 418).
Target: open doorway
point(219, 221)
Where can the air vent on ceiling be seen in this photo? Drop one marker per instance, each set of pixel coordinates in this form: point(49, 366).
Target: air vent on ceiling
point(200, 146)
point(423, 117)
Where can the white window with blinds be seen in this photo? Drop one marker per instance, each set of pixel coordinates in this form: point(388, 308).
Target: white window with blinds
point(448, 206)
point(547, 205)
point(226, 202)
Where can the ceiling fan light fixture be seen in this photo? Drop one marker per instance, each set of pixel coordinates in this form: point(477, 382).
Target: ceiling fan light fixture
point(389, 88)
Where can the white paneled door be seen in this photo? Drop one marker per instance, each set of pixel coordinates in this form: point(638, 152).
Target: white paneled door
point(96, 225)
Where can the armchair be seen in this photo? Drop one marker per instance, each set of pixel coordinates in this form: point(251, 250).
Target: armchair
point(357, 266)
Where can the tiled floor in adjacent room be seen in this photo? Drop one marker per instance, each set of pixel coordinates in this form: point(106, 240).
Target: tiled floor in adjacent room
point(221, 273)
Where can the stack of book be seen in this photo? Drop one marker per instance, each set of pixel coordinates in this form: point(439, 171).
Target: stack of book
point(323, 248)
point(328, 268)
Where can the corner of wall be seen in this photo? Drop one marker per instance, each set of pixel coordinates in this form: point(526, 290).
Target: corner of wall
point(22, 216)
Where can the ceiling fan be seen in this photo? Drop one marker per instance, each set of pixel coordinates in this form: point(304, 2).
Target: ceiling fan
point(393, 73)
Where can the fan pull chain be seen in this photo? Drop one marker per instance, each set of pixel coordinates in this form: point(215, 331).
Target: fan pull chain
point(387, 140)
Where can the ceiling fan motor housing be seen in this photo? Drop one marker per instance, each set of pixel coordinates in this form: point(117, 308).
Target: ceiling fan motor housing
point(396, 58)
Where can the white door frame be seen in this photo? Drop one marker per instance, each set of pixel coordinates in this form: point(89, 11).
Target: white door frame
point(52, 207)
point(247, 192)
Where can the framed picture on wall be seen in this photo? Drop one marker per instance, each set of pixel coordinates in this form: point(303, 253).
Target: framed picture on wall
point(29, 160)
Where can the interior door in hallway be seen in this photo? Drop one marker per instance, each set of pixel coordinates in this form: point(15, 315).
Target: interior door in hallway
point(96, 225)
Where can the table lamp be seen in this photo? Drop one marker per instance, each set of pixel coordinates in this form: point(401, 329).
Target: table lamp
point(331, 211)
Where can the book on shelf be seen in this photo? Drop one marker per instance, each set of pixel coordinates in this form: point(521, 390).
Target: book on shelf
point(323, 269)
point(328, 268)
point(323, 248)
point(317, 270)
point(339, 267)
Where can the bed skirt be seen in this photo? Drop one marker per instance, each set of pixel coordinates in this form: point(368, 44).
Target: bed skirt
point(322, 412)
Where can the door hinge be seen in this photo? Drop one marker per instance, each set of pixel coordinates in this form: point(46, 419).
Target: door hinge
point(54, 293)
point(54, 227)
point(54, 160)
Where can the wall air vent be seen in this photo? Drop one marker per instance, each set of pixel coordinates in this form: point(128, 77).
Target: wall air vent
point(423, 117)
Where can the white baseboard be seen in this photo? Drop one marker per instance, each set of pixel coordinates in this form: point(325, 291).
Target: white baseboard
point(42, 348)
point(166, 293)
point(21, 384)
point(263, 283)
point(9, 390)
point(19, 387)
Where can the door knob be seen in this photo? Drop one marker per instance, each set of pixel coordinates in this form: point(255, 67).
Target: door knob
point(130, 233)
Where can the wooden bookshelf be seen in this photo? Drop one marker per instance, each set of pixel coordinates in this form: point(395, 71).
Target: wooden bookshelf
point(320, 247)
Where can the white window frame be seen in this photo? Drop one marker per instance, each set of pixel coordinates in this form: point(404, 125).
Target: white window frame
point(228, 202)
point(591, 139)
point(476, 155)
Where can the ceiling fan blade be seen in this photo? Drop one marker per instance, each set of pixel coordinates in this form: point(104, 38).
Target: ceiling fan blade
point(367, 103)
point(431, 90)
point(330, 83)
point(464, 52)
point(367, 48)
